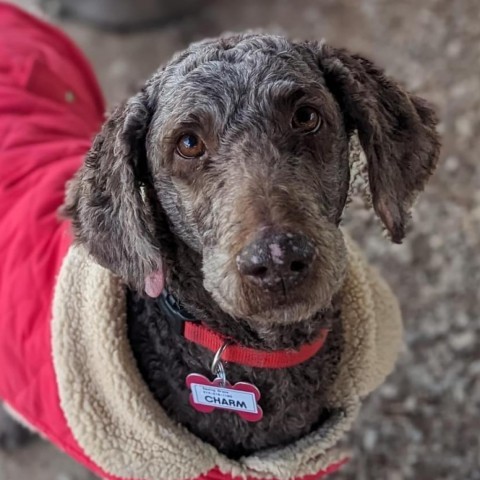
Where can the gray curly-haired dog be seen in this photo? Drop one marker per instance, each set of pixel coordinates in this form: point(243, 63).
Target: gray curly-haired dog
point(240, 143)
point(224, 180)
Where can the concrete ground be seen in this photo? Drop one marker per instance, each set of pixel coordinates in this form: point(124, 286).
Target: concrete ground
point(424, 423)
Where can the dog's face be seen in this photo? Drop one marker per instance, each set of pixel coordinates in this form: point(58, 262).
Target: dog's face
point(255, 154)
point(242, 143)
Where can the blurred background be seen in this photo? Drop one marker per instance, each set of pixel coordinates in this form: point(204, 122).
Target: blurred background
point(424, 423)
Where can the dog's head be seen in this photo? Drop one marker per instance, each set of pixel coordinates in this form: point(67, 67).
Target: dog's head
point(239, 149)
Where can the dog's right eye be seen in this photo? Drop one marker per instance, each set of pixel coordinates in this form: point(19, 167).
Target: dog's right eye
point(190, 146)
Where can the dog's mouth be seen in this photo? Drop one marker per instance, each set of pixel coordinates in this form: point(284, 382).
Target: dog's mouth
point(287, 312)
point(288, 306)
point(281, 302)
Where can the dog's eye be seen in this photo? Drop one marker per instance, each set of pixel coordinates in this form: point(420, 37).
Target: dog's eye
point(306, 119)
point(190, 146)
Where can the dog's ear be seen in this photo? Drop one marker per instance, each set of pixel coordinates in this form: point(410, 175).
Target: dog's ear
point(108, 200)
point(396, 131)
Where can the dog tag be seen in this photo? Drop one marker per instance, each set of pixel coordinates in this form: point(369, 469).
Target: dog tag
point(240, 398)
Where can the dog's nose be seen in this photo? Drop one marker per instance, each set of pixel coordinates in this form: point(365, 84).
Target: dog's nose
point(276, 260)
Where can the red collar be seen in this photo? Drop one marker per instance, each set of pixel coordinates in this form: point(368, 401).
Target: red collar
point(196, 332)
point(235, 353)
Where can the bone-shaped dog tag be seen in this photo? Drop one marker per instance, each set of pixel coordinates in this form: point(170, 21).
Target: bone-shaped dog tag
point(241, 398)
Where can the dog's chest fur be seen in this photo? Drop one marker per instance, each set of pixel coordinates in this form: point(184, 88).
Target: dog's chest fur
point(292, 399)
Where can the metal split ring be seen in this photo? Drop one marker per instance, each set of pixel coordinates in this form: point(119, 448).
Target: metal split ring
point(217, 366)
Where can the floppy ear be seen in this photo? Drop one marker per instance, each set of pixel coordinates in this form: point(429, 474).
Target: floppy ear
point(109, 200)
point(396, 131)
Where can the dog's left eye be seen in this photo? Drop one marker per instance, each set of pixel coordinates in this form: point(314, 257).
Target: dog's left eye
point(190, 146)
point(306, 119)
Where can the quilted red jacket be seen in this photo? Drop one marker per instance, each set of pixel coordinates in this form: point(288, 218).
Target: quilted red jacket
point(50, 108)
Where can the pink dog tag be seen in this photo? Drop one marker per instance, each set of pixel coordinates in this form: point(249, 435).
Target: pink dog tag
point(240, 398)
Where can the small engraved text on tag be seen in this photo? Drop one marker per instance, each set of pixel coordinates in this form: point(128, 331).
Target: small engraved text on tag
point(208, 395)
point(224, 398)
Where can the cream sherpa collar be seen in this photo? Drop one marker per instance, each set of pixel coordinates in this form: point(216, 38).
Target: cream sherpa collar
point(121, 427)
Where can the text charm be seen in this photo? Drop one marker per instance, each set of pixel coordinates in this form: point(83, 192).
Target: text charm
point(240, 398)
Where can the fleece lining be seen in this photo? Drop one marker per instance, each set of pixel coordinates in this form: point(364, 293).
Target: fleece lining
point(122, 428)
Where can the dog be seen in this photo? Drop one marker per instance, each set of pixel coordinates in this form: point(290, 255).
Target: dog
point(216, 195)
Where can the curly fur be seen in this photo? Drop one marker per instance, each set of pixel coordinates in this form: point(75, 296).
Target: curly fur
point(239, 94)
